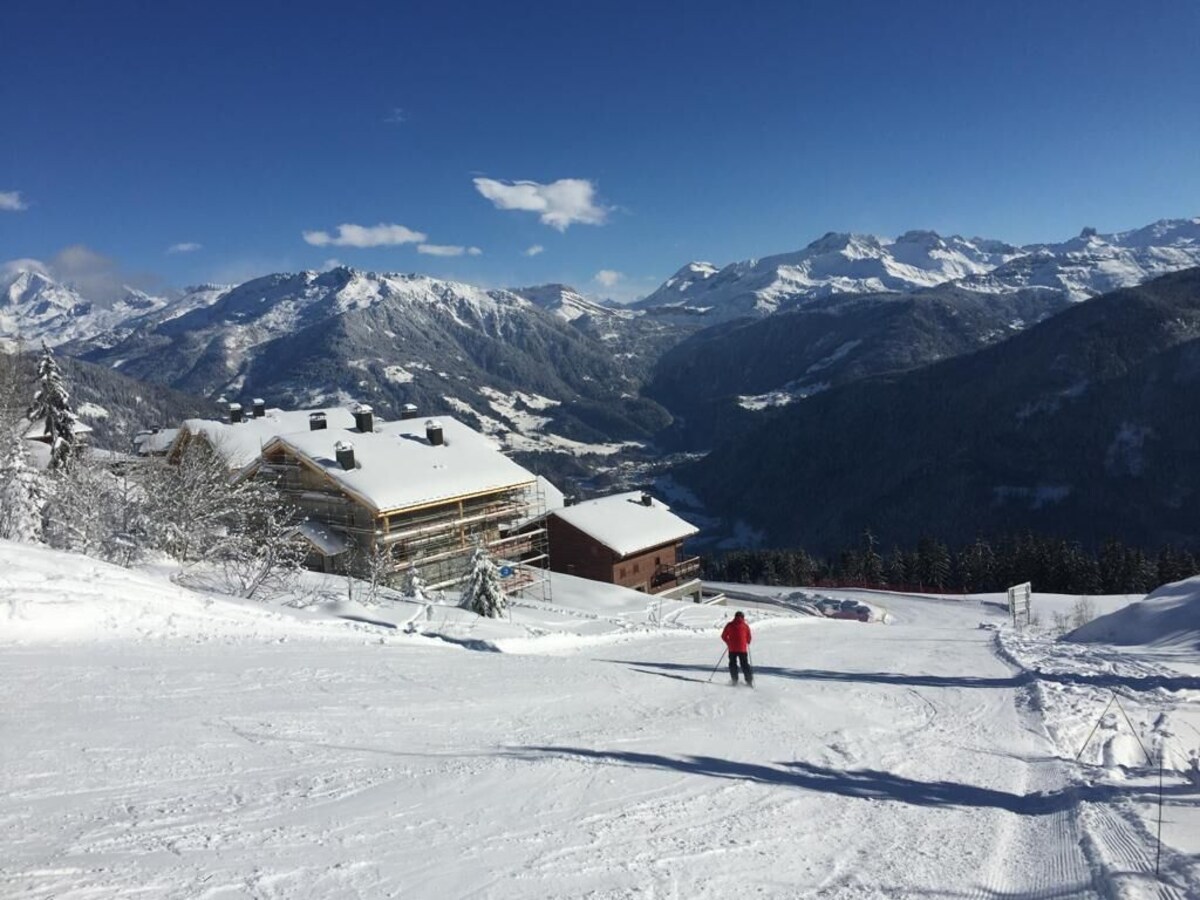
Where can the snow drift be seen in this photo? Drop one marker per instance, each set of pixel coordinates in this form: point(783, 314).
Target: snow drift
point(1170, 616)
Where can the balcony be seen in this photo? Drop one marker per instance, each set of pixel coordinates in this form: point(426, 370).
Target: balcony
point(681, 571)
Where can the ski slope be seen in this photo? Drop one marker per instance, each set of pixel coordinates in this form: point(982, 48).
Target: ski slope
point(202, 748)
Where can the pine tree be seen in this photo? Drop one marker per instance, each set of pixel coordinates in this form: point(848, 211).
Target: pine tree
point(22, 493)
point(52, 405)
point(483, 593)
point(872, 562)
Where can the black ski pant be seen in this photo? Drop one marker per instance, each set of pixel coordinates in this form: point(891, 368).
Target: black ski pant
point(744, 659)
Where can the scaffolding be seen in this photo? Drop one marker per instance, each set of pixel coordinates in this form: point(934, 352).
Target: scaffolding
point(436, 540)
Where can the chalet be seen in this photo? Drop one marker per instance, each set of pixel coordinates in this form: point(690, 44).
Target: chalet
point(629, 539)
point(240, 440)
point(404, 493)
point(40, 442)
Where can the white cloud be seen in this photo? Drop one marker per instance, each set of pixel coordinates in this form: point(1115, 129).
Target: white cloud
point(381, 235)
point(560, 204)
point(534, 250)
point(10, 201)
point(14, 267)
point(184, 247)
point(332, 263)
point(608, 277)
point(396, 116)
point(448, 250)
point(441, 250)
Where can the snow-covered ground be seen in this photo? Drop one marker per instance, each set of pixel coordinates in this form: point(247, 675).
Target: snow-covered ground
point(162, 743)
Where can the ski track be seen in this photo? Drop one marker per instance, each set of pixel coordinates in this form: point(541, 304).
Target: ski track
point(901, 761)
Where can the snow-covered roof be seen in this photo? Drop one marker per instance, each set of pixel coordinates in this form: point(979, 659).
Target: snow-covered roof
point(396, 467)
point(155, 443)
point(37, 430)
point(321, 537)
point(626, 525)
point(242, 442)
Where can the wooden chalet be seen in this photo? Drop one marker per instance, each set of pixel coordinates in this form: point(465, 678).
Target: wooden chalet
point(629, 539)
point(405, 493)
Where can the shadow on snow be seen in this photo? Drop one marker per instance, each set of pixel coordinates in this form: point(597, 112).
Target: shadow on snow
point(1102, 679)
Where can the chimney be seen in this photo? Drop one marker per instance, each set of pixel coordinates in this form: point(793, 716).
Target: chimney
point(408, 411)
point(433, 432)
point(259, 407)
point(345, 454)
point(646, 499)
point(316, 421)
point(364, 418)
point(235, 413)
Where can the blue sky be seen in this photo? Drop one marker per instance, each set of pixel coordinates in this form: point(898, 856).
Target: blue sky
point(174, 143)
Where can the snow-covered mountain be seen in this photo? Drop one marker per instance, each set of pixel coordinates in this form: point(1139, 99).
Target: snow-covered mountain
point(1093, 264)
point(34, 307)
point(1080, 268)
point(515, 368)
point(569, 305)
point(1080, 425)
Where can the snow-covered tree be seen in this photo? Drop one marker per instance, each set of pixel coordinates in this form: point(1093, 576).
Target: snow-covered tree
point(199, 513)
point(260, 552)
point(22, 487)
point(22, 490)
point(414, 585)
point(483, 593)
point(97, 511)
point(52, 407)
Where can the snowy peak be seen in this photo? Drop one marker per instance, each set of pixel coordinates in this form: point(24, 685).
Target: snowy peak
point(852, 263)
point(567, 303)
point(1092, 263)
point(836, 263)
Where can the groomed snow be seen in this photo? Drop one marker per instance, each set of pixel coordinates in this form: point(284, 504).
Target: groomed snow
point(159, 742)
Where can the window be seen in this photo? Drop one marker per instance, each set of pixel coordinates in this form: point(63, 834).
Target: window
point(622, 572)
point(636, 568)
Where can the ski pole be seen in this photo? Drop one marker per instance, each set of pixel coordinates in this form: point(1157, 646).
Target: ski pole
point(718, 665)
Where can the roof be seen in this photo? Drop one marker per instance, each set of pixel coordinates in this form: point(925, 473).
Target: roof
point(241, 443)
point(624, 524)
point(328, 542)
point(156, 442)
point(396, 467)
point(37, 430)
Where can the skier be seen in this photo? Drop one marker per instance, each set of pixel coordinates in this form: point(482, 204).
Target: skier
point(736, 636)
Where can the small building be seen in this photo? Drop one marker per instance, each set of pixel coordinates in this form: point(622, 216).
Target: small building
point(627, 539)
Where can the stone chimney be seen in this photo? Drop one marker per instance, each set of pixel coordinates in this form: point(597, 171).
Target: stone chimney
point(235, 413)
point(316, 421)
point(364, 418)
point(433, 433)
point(345, 454)
point(259, 407)
point(408, 411)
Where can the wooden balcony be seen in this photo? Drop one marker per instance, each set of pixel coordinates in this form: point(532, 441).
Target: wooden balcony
point(681, 571)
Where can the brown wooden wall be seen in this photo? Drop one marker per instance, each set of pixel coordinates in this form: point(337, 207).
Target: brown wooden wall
point(575, 553)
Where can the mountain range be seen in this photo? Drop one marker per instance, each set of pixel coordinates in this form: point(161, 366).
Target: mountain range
point(594, 393)
point(1085, 425)
point(841, 264)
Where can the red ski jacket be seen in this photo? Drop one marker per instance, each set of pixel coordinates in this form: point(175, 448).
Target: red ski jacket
point(737, 636)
